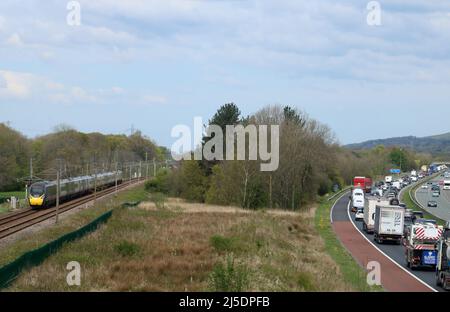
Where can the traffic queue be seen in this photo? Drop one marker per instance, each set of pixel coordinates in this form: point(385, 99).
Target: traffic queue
point(378, 207)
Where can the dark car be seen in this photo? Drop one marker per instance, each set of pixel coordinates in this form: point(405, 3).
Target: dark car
point(432, 204)
point(417, 215)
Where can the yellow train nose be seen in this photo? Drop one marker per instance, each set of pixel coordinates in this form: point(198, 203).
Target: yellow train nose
point(36, 201)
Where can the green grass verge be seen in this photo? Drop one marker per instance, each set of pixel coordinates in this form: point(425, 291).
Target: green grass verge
point(353, 273)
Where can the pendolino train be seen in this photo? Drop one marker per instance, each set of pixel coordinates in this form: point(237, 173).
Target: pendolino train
point(43, 194)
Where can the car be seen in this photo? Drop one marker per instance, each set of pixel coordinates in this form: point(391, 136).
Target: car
point(359, 215)
point(436, 194)
point(417, 215)
point(432, 204)
point(424, 186)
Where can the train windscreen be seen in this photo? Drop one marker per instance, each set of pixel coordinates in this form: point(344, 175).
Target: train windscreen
point(37, 190)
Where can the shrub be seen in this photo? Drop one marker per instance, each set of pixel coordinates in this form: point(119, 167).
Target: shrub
point(127, 249)
point(160, 183)
point(229, 277)
point(158, 199)
point(305, 281)
point(222, 244)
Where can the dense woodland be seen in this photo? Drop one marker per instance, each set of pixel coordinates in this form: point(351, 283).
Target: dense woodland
point(312, 163)
point(72, 152)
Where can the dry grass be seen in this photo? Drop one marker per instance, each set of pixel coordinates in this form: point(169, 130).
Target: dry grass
point(177, 248)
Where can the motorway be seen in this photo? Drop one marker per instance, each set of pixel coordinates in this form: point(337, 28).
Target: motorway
point(395, 253)
point(443, 209)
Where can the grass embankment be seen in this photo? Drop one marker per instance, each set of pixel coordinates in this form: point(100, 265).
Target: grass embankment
point(406, 198)
point(67, 224)
point(177, 246)
point(351, 271)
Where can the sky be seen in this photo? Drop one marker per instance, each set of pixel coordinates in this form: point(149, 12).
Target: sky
point(151, 65)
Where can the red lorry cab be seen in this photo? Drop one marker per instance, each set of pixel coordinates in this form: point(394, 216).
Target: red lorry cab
point(363, 183)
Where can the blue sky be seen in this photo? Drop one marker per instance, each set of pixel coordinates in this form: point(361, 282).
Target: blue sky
point(155, 64)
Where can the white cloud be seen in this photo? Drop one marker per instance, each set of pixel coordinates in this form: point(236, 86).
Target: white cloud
point(15, 40)
point(31, 89)
point(26, 87)
point(154, 99)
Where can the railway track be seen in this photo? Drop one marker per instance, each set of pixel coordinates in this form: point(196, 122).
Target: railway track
point(18, 221)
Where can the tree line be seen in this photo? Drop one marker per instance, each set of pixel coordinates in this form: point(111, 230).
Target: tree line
point(311, 163)
point(69, 150)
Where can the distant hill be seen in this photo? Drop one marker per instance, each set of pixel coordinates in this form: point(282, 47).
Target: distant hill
point(437, 145)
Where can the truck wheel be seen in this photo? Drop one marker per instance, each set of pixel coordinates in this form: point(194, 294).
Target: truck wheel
point(445, 285)
point(438, 280)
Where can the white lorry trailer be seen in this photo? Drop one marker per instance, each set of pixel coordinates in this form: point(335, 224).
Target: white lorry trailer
point(369, 213)
point(389, 224)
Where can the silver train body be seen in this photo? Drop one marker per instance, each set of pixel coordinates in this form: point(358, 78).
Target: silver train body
point(43, 194)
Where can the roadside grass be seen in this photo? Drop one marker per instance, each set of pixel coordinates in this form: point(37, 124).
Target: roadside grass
point(351, 271)
point(150, 248)
point(29, 241)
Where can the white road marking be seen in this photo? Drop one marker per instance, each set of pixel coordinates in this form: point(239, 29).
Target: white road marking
point(331, 210)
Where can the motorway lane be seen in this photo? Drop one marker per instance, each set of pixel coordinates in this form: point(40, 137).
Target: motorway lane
point(395, 252)
point(443, 209)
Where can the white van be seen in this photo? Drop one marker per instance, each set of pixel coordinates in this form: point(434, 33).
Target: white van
point(357, 199)
point(388, 179)
point(447, 184)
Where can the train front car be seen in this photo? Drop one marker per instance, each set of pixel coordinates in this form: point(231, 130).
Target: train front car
point(36, 195)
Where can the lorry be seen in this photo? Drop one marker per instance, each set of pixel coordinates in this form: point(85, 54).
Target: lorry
point(388, 179)
point(357, 199)
point(389, 223)
point(421, 243)
point(363, 183)
point(443, 260)
point(369, 213)
point(413, 173)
